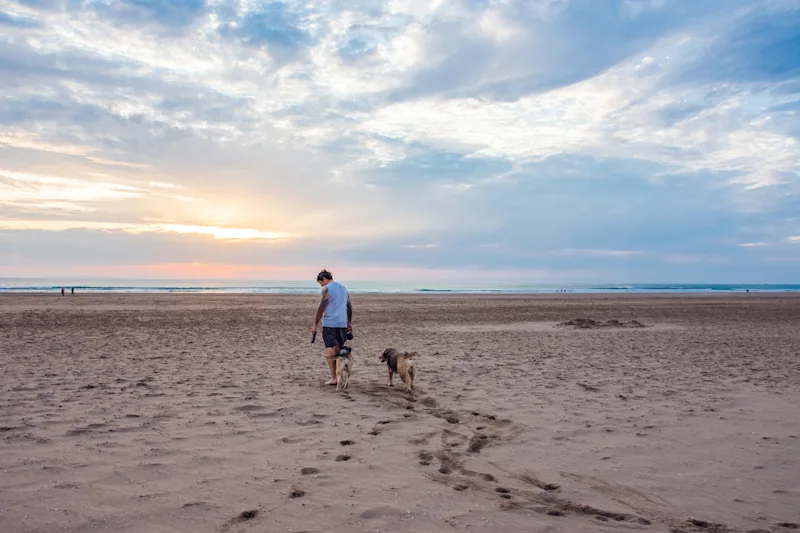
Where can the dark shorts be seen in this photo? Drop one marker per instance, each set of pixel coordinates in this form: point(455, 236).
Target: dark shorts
point(334, 337)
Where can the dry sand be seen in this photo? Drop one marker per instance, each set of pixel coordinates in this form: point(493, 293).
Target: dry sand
point(180, 412)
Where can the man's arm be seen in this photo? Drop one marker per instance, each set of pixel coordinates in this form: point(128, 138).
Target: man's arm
point(323, 303)
point(349, 312)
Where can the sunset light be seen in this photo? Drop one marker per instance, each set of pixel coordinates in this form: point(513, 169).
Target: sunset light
point(226, 233)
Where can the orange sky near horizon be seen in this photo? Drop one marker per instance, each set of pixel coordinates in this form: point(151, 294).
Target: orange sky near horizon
point(232, 272)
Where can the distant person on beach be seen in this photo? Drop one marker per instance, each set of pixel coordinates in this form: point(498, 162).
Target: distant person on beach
point(73, 291)
point(336, 314)
point(62, 291)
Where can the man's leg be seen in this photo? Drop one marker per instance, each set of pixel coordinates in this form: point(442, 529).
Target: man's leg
point(329, 353)
point(331, 348)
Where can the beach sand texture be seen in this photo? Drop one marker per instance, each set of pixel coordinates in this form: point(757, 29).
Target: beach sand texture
point(208, 413)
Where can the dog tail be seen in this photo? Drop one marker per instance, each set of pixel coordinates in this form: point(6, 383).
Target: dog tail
point(409, 355)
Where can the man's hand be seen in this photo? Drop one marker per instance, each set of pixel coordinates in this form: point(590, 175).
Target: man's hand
point(349, 327)
point(314, 329)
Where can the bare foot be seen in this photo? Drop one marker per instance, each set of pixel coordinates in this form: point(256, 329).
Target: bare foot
point(330, 382)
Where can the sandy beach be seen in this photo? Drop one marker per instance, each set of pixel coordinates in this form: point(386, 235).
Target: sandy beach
point(208, 413)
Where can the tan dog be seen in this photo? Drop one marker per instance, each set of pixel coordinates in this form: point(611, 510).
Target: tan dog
point(344, 364)
point(402, 363)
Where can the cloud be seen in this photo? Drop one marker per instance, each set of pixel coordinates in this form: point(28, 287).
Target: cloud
point(225, 233)
point(763, 47)
point(435, 167)
point(650, 137)
point(22, 187)
point(598, 253)
point(273, 25)
point(513, 49)
point(7, 19)
point(220, 233)
point(137, 13)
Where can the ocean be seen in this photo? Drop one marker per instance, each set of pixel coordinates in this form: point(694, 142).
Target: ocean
point(24, 285)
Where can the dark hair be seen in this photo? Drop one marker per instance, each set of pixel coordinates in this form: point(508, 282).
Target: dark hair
point(324, 275)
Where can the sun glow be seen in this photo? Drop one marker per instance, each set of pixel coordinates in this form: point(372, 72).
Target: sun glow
point(226, 233)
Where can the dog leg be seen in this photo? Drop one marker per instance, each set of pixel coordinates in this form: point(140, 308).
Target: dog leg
point(390, 377)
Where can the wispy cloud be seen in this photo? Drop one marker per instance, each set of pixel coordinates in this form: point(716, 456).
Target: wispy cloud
point(225, 233)
point(222, 233)
point(598, 253)
point(19, 187)
point(17, 21)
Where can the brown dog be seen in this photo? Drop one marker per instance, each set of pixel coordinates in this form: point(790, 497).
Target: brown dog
point(401, 363)
point(344, 365)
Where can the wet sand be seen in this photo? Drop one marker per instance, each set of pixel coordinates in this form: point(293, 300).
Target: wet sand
point(208, 413)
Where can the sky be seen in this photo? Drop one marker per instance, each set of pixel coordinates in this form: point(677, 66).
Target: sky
point(485, 140)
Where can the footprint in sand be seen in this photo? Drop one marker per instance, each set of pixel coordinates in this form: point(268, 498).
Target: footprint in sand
point(531, 479)
point(272, 414)
point(381, 512)
point(244, 516)
point(423, 439)
point(502, 490)
point(477, 443)
point(199, 505)
point(249, 408)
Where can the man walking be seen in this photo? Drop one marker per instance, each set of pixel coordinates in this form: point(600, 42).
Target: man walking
point(336, 314)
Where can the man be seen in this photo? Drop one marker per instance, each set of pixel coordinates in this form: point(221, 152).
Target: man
point(336, 314)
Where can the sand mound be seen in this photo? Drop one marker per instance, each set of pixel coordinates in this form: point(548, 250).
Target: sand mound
point(588, 323)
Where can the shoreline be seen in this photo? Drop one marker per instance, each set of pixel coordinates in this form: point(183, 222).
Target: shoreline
point(533, 295)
